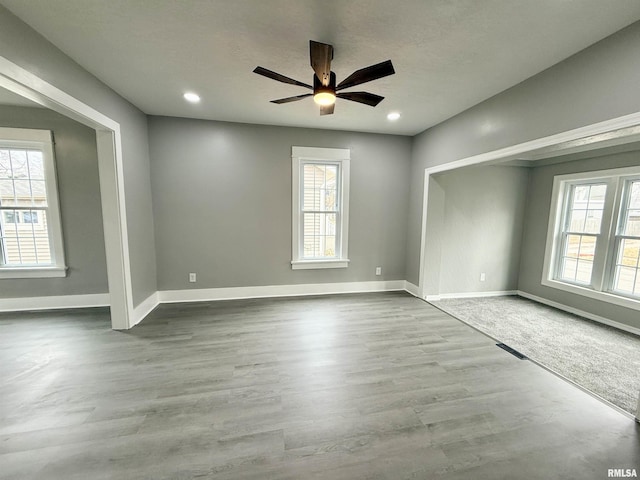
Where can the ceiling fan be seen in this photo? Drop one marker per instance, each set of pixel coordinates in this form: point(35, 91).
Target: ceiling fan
point(324, 86)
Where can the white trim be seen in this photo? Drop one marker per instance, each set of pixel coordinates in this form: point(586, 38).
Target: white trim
point(267, 291)
point(581, 313)
point(595, 294)
point(109, 142)
point(318, 153)
point(412, 289)
point(24, 136)
point(314, 264)
point(54, 302)
point(519, 149)
point(447, 296)
point(516, 151)
point(40, 140)
point(613, 178)
point(340, 157)
point(33, 272)
point(145, 308)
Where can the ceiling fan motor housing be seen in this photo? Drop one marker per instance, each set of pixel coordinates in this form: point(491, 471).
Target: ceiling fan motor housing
point(319, 88)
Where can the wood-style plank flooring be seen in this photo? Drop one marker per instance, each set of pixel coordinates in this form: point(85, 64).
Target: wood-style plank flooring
point(368, 386)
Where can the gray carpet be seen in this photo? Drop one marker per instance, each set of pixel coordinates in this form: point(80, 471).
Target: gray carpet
point(599, 358)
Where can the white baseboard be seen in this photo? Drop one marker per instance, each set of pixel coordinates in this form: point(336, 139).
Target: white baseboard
point(412, 289)
point(581, 313)
point(145, 308)
point(236, 293)
point(54, 302)
point(445, 296)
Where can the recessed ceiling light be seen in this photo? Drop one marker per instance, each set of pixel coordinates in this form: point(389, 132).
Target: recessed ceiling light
point(393, 116)
point(192, 97)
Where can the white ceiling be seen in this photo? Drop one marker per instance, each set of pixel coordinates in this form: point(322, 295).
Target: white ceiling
point(448, 54)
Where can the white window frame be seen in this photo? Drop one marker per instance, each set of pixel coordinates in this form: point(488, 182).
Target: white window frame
point(333, 156)
point(39, 140)
point(601, 282)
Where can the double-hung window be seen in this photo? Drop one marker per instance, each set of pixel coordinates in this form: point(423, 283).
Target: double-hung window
point(593, 242)
point(320, 205)
point(30, 229)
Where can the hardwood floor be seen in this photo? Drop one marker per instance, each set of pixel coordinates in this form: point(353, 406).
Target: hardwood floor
point(369, 386)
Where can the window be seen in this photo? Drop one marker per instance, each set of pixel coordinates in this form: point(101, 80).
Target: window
point(626, 274)
point(320, 207)
point(593, 243)
point(30, 231)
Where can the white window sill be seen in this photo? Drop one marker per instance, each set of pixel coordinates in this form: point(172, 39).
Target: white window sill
point(596, 295)
point(316, 264)
point(33, 272)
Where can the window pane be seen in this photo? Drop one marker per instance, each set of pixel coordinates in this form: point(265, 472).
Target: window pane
point(632, 223)
point(629, 252)
point(576, 220)
point(577, 261)
point(569, 267)
point(22, 192)
point(587, 248)
point(634, 197)
point(19, 164)
point(10, 216)
point(593, 221)
point(585, 213)
point(43, 249)
point(9, 219)
point(30, 216)
point(308, 191)
point(597, 196)
point(319, 187)
point(7, 193)
point(624, 279)
point(636, 290)
point(583, 273)
point(581, 196)
point(5, 165)
point(319, 235)
point(36, 165)
point(572, 248)
point(627, 267)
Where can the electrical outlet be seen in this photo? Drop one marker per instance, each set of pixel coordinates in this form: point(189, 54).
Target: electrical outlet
point(483, 277)
point(378, 270)
point(192, 277)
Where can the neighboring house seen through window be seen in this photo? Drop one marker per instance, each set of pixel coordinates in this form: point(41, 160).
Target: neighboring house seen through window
point(320, 207)
point(593, 243)
point(30, 230)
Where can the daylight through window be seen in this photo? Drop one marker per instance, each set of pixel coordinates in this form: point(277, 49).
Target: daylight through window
point(28, 204)
point(594, 249)
point(320, 205)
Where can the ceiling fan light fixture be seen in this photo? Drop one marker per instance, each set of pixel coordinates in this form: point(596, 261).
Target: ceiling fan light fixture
point(325, 98)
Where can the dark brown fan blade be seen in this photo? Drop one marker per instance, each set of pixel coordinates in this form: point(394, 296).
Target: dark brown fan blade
point(292, 99)
point(361, 97)
point(327, 109)
point(367, 74)
point(321, 55)
point(280, 78)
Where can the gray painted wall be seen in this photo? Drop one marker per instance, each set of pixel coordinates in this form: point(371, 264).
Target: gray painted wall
point(79, 193)
point(222, 203)
point(27, 48)
point(482, 228)
point(596, 84)
point(535, 236)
